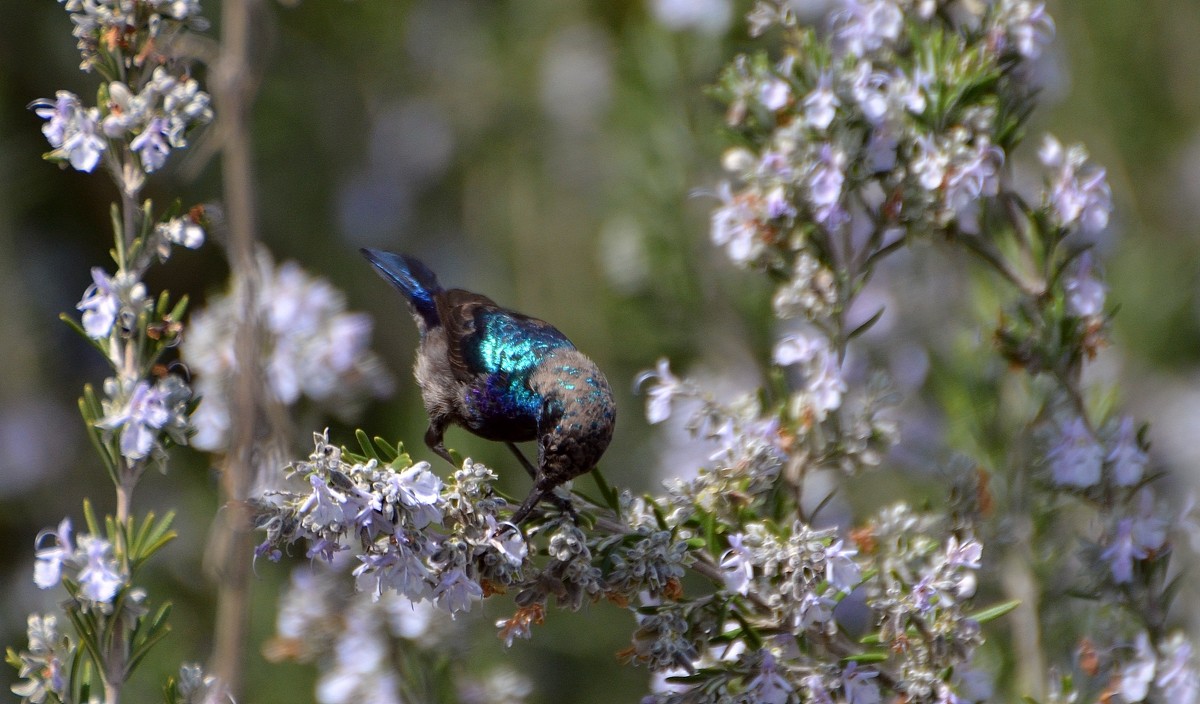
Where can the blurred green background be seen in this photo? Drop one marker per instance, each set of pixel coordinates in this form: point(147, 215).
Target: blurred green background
point(545, 152)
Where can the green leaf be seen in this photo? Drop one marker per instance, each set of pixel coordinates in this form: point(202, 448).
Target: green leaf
point(867, 325)
point(74, 325)
point(89, 517)
point(150, 538)
point(658, 513)
point(365, 443)
point(751, 635)
point(156, 629)
point(611, 499)
point(866, 657)
point(94, 434)
point(180, 308)
point(389, 451)
point(994, 612)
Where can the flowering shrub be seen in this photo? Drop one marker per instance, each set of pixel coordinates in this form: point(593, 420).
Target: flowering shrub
point(889, 125)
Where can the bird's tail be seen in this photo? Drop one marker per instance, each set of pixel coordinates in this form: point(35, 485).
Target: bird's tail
point(411, 277)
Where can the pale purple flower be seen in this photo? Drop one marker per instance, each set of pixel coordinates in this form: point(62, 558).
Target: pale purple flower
point(840, 568)
point(419, 490)
point(508, 541)
point(100, 304)
point(1177, 675)
point(43, 666)
point(881, 149)
point(182, 231)
point(322, 510)
point(142, 416)
point(178, 9)
point(910, 92)
point(152, 145)
point(820, 105)
point(972, 179)
point(923, 593)
point(1075, 196)
point(814, 609)
point(82, 145)
point(1138, 673)
point(1076, 459)
point(1150, 526)
point(1126, 456)
point(60, 115)
point(930, 163)
point(774, 94)
point(350, 340)
point(99, 579)
point(768, 686)
point(47, 571)
point(1085, 293)
point(734, 225)
point(185, 104)
point(705, 16)
point(778, 205)
point(827, 386)
point(1030, 28)
point(795, 348)
point(736, 565)
point(863, 26)
point(400, 569)
point(775, 164)
point(71, 129)
point(857, 682)
point(817, 689)
point(125, 111)
point(869, 89)
point(666, 387)
point(966, 554)
point(825, 187)
point(323, 548)
point(455, 592)
point(1122, 551)
point(823, 382)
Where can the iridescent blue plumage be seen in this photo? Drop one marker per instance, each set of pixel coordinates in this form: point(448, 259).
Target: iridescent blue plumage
point(503, 376)
point(507, 349)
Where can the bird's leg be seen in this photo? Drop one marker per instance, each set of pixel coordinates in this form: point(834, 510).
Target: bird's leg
point(543, 490)
point(526, 506)
point(524, 462)
point(433, 438)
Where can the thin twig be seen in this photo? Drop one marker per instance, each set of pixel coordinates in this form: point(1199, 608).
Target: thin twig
point(233, 539)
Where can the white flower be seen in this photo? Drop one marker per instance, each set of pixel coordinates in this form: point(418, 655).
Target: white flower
point(100, 305)
point(99, 579)
point(419, 490)
point(840, 568)
point(768, 686)
point(1138, 673)
point(666, 387)
point(820, 106)
point(738, 570)
point(182, 231)
point(142, 416)
point(508, 541)
point(735, 226)
point(775, 94)
point(47, 571)
point(455, 592)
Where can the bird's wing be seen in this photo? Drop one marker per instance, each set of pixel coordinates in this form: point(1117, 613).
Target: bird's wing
point(485, 339)
point(458, 310)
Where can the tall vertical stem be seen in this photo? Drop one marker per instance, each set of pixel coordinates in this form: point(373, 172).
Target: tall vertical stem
point(232, 537)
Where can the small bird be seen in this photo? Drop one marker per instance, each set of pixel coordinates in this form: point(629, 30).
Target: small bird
point(503, 376)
